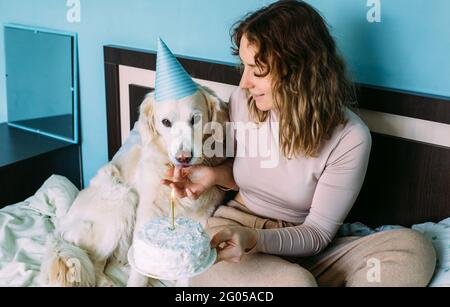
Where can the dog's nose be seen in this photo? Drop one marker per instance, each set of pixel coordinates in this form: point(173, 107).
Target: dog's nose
point(184, 157)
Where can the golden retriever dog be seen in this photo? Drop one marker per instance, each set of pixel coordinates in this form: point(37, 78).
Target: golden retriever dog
point(99, 227)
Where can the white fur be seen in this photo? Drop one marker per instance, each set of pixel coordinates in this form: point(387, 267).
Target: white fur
point(104, 218)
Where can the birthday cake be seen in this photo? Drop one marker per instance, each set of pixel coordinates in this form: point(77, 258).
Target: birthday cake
point(160, 251)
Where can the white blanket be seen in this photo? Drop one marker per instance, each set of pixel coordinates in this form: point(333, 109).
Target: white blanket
point(25, 226)
point(22, 238)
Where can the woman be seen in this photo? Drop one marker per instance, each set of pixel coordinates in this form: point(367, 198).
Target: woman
point(292, 76)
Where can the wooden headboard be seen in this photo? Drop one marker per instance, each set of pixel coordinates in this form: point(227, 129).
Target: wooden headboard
point(408, 177)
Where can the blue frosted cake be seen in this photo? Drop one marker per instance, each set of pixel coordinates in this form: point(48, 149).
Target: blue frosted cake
point(160, 251)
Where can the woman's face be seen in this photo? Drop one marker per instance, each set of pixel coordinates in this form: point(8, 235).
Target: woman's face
point(259, 87)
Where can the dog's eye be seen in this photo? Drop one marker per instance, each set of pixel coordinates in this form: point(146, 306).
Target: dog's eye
point(195, 119)
point(166, 123)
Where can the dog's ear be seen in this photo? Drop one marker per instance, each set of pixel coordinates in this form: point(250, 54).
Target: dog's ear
point(146, 121)
point(59, 273)
point(217, 113)
point(217, 109)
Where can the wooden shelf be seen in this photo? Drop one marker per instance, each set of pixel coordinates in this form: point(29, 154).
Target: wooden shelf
point(28, 159)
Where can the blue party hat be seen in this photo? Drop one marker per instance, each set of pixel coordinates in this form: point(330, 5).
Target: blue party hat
point(172, 81)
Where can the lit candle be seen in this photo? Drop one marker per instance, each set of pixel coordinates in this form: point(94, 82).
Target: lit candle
point(172, 208)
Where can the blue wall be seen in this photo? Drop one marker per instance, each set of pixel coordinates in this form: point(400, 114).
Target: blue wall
point(409, 49)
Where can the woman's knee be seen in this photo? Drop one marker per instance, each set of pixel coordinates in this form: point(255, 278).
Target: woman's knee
point(405, 257)
point(299, 277)
point(279, 272)
point(256, 270)
point(419, 256)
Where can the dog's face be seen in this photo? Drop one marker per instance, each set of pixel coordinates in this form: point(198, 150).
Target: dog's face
point(179, 124)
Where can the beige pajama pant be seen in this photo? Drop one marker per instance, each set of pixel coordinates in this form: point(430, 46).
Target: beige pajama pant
point(390, 258)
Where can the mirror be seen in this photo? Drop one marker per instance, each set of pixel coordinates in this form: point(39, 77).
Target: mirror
point(42, 81)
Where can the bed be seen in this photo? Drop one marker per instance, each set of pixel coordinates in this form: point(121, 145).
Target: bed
point(407, 182)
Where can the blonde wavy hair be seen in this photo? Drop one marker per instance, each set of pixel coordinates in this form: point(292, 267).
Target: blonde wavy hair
point(309, 80)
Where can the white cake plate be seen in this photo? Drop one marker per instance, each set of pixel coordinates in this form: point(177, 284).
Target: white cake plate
point(208, 263)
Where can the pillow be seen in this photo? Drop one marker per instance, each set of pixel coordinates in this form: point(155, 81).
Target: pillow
point(354, 229)
point(133, 139)
point(359, 229)
point(439, 234)
point(54, 198)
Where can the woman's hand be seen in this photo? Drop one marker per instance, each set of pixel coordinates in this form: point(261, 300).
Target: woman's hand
point(190, 181)
point(232, 242)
